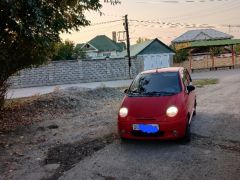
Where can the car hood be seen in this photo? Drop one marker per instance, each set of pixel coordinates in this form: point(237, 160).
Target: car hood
point(149, 107)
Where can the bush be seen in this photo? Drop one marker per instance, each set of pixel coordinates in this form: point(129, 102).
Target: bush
point(180, 56)
point(67, 51)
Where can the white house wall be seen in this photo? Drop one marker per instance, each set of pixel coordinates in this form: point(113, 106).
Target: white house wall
point(101, 55)
point(153, 61)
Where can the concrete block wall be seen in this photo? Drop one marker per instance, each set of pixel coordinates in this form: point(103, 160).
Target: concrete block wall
point(76, 71)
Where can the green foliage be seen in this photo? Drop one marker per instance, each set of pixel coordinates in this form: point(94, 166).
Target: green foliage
point(67, 51)
point(141, 40)
point(113, 2)
point(78, 53)
point(180, 56)
point(63, 51)
point(237, 49)
point(29, 30)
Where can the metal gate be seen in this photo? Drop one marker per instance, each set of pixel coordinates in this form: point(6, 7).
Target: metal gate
point(154, 61)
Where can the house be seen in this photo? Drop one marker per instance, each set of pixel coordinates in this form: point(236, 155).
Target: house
point(102, 47)
point(200, 35)
point(155, 54)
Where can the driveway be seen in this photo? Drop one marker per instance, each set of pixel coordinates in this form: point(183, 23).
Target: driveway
point(214, 152)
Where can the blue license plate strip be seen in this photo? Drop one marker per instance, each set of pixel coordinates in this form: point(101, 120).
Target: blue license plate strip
point(146, 128)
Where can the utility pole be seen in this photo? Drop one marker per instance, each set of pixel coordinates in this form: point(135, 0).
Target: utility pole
point(128, 44)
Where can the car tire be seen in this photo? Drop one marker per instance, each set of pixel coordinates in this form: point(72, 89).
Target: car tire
point(187, 136)
point(195, 108)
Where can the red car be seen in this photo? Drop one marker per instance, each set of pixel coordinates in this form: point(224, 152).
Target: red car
point(159, 104)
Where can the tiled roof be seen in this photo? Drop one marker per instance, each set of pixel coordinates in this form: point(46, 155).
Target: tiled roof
point(104, 43)
point(136, 49)
point(80, 45)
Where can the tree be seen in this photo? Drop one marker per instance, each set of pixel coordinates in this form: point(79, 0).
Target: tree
point(63, 51)
point(30, 28)
point(141, 40)
point(67, 51)
point(180, 55)
point(78, 53)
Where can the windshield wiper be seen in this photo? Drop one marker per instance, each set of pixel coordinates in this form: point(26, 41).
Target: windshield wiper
point(160, 93)
point(134, 92)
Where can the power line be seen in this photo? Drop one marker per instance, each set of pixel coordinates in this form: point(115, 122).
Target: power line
point(106, 22)
point(178, 24)
point(106, 27)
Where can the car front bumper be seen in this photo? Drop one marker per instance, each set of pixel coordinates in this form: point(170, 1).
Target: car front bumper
point(167, 130)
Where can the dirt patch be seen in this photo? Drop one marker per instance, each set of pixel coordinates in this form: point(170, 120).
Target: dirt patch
point(57, 120)
point(22, 112)
point(67, 155)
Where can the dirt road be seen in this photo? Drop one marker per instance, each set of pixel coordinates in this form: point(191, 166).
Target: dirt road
point(73, 136)
point(214, 152)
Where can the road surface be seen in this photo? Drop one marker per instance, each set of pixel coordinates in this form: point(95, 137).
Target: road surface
point(214, 152)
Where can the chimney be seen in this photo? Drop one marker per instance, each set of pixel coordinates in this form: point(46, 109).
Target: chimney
point(114, 36)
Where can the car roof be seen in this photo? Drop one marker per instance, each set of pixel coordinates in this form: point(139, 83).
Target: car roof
point(160, 70)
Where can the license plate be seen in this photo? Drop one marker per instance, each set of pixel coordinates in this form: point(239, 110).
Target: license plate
point(147, 128)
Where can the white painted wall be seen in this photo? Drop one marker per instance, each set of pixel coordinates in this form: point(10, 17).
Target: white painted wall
point(153, 61)
point(100, 55)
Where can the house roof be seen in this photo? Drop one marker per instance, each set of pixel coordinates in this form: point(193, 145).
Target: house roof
point(80, 45)
point(138, 49)
point(104, 43)
point(224, 42)
point(122, 45)
point(206, 43)
point(202, 34)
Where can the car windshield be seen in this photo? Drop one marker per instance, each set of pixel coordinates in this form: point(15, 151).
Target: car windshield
point(155, 84)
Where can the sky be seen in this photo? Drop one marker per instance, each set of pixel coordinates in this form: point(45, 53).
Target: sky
point(163, 19)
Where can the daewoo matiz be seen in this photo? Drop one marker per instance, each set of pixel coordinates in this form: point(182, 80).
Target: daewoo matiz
point(159, 104)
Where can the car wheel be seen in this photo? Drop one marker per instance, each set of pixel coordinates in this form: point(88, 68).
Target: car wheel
point(195, 108)
point(187, 136)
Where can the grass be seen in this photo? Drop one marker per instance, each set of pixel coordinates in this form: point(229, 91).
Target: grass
point(203, 82)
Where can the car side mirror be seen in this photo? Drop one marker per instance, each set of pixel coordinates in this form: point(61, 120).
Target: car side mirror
point(125, 91)
point(190, 88)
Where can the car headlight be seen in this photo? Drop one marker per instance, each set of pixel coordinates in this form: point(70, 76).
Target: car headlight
point(123, 112)
point(172, 111)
